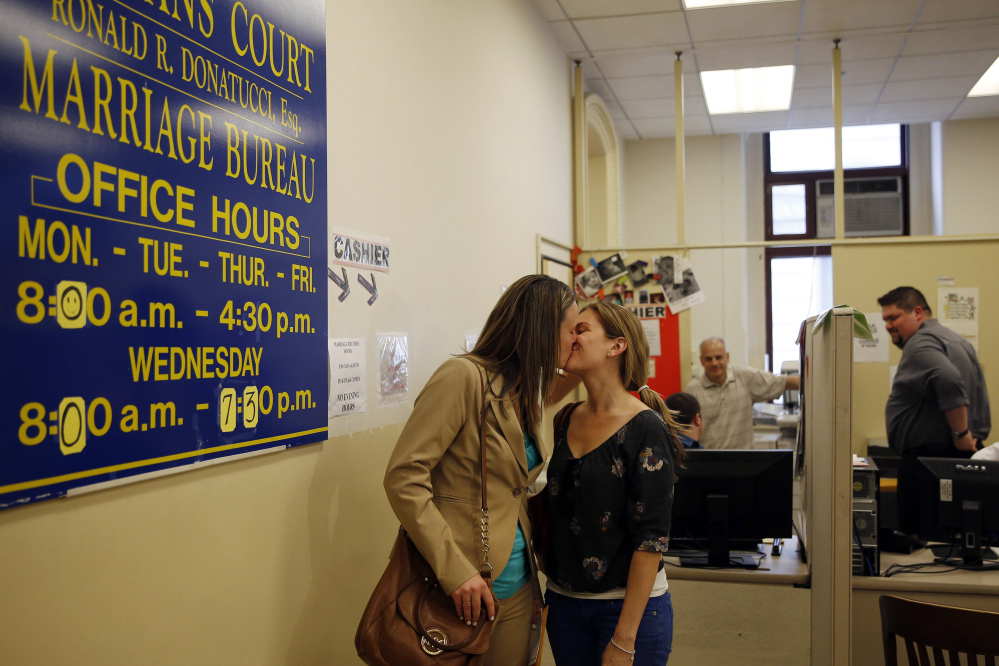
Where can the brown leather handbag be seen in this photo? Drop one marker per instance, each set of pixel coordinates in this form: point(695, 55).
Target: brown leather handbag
point(409, 620)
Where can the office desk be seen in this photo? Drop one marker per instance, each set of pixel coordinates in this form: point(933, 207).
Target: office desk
point(739, 616)
point(968, 589)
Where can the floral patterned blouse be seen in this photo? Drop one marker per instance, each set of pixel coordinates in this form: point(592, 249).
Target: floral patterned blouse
point(609, 503)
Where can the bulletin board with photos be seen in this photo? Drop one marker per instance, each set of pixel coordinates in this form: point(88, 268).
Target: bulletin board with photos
point(643, 285)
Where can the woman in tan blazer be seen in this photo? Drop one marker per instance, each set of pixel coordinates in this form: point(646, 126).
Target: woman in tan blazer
point(433, 477)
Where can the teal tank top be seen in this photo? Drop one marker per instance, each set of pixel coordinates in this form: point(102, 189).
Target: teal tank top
point(517, 569)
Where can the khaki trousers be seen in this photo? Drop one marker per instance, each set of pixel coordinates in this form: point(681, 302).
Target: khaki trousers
point(511, 636)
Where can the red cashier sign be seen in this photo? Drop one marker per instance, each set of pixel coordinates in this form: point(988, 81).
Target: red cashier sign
point(667, 364)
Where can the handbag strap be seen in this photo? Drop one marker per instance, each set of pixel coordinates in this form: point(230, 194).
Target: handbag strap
point(563, 416)
point(486, 570)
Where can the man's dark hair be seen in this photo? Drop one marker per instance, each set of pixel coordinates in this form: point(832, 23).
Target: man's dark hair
point(685, 406)
point(906, 298)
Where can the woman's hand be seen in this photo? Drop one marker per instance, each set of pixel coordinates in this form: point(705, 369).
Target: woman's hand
point(472, 597)
point(615, 655)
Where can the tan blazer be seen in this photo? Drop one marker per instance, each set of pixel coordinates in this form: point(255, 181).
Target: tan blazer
point(432, 480)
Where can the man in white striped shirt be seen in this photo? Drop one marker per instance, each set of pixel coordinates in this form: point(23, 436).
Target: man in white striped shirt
point(727, 396)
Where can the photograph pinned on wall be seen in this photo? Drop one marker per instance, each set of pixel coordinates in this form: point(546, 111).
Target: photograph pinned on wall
point(684, 292)
point(612, 267)
point(657, 297)
point(643, 296)
point(636, 272)
point(665, 267)
point(614, 298)
point(629, 297)
point(588, 283)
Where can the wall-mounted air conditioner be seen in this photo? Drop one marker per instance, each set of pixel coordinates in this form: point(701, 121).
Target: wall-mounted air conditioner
point(873, 207)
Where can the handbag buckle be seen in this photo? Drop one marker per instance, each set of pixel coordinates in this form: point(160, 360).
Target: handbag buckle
point(439, 635)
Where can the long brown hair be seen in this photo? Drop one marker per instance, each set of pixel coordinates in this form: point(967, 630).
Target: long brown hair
point(520, 341)
point(620, 322)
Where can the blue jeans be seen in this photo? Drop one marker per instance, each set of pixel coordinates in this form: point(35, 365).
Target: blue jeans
point(580, 629)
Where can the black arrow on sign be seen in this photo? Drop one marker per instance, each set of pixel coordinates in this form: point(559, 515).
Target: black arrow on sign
point(370, 286)
point(344, 284)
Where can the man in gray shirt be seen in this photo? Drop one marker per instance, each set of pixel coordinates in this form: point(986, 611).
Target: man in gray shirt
point(938, 405)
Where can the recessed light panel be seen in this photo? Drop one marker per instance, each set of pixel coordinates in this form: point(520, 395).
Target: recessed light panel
point(989, 83)
point(701, 4)
point(748, 90)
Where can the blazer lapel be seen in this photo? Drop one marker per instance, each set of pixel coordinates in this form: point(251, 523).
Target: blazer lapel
point(509, 426)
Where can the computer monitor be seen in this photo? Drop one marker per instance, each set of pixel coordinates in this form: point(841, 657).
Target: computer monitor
point(959, 503)
point(726, 496)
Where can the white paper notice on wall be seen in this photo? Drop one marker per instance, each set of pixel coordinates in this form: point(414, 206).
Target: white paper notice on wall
point(876, 350)
point(651, 327)
point(348, 377)
point(957, 309)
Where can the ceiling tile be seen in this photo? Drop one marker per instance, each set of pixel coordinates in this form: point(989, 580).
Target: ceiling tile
point(598, 87)
point(978, 107)
point(860, 47)
point(811, 98)
point(854, 73)
point(913, 112)
point(852, 115)
point(620, 66)
point(944, 65)
point(953, 40)
point(938, 12)
point(908, 91)
point(664, 108)
point(625, 132)
point(752, 55)
point(653, 128)
point(649, 108)
point(840, 16)
point(549, 10)
point(632, 32)
point(735, 123)
point(581, 9)
point(721, 24)
point(644, 87)
point(568, 39)
point(614, 110)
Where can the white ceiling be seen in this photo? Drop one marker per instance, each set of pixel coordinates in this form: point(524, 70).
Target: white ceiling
point(906, 61)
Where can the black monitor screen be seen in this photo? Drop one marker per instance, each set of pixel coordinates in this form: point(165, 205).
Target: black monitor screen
point(729, 495)
point(959, 501)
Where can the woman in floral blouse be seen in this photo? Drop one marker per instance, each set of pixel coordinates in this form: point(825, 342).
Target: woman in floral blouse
point(610, 486)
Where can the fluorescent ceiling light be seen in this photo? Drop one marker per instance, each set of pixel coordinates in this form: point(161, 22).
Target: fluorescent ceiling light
point(748, 90)
point(989, 83)
point(701, 4)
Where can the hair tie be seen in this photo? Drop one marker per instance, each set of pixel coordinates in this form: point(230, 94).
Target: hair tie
point(644, 386)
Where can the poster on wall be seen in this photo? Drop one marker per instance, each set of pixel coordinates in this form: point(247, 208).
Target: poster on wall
point(163, 297)
point(874, 350)
point(957, 309)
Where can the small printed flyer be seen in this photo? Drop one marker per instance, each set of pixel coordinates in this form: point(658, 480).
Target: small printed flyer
point(348, 377)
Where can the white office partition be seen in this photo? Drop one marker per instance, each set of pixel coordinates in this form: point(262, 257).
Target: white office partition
point(827, 482)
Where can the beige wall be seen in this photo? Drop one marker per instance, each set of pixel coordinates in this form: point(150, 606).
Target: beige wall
point(449, 135)
point(970, 173)
point(862, 274)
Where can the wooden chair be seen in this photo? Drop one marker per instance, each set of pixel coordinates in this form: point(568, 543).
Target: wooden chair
point(936, 628)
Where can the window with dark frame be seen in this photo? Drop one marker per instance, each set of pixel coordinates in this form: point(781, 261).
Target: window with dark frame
point(798, 206)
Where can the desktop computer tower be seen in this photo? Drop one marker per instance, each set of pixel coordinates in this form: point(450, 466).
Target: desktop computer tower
point(864, 530)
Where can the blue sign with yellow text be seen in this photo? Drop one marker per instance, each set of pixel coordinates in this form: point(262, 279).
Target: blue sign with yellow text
point(163, 236)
